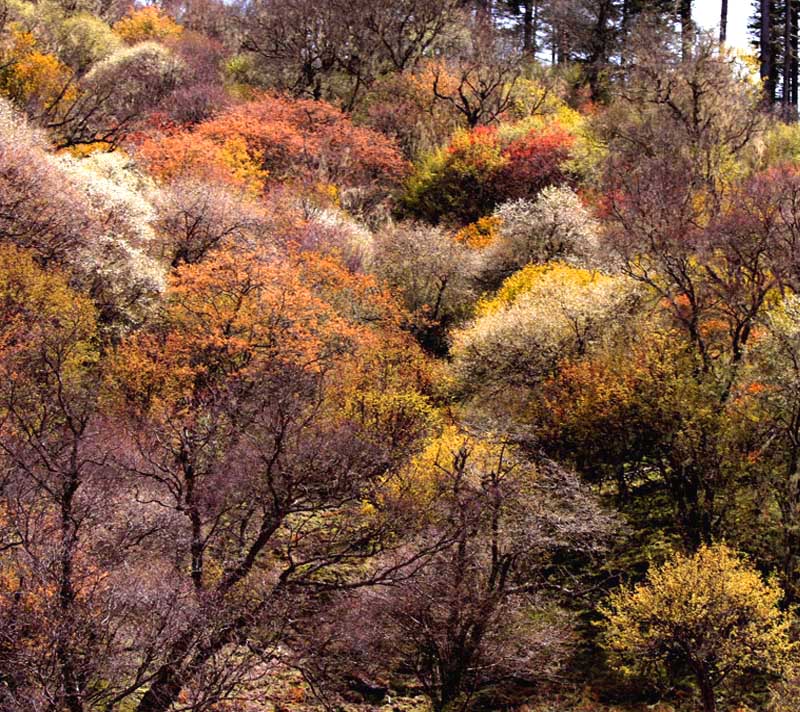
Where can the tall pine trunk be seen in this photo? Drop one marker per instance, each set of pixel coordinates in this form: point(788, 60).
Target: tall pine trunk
point(687, 27)
point(788, 33)
point(528, 31)
point(723, 22)
point(794, 11)
point(765, 42)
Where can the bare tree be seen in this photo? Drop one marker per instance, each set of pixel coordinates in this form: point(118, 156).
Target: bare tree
point(479, 76)
point(465, 624)
point(308, 46)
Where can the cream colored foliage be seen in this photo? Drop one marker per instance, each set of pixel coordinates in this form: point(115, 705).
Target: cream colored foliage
point(554, 226)
point(562, 313)
point(119, 258)
point(357, 244)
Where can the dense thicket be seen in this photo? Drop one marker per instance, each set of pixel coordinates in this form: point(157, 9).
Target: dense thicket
point(417, 355)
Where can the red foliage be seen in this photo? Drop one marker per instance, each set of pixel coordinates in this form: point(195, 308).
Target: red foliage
point(281, 139)
point(533, 162)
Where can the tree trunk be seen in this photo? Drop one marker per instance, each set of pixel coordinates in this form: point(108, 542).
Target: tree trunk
point(765, 42)
point(173, 676)
point(168, 682)
point(599, 53)
point(788, 33)
point(707, 693)
point(73, 698)
point(624, 28)
point(687, 27)
point(723, 22)
point(528, 41)
point(793, 11)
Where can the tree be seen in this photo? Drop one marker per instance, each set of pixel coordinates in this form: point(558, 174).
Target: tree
point(38, 211)
point(336, 51)
point(527, 14)
point(197, 217)
point(87, 89)
point(116, 92)
point(766, 420)
point(92, 218)
point(431, 272)
point(145, 24)
point(67, 619)
point(723, 22)
point(272, 139)
point(46, 443)
point(266, 415)
point(535, 159)
point(478, 81)
point(687, 27)
point(478, 169)
point(473, 620)
point(456, 182)
point(766, 56)
point(540, 316)
point(712, 611)
point(36, 81)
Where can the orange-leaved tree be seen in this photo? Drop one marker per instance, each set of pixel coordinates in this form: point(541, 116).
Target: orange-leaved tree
point(267, 413)
point(275, 139)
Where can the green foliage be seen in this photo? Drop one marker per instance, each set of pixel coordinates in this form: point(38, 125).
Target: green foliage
point(85, 40)
point(454, 183)
point(478, 169)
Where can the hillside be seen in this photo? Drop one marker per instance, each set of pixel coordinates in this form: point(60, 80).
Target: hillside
point(412, 356)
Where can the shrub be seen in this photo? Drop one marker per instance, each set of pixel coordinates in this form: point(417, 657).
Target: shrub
point(555, 226)
point(147, 23)
point(712, 611)
point(481, 168)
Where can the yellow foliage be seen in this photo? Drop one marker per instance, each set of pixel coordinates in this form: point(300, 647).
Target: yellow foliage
point(89, 148)
point(245, 164)
point(42, 319)
point(32, 78)
point(712, 608)
point(148, 23)
point(454, 453)
point(391, 414)
point(552, 274)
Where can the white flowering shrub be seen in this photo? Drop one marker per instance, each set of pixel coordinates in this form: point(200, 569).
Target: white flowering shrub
point(333, 230)
point(432, 273)
point(94, 217)
point(121, 196)
point(117, 262)
point(556, 226)
point(39, 210)
point(519, 338)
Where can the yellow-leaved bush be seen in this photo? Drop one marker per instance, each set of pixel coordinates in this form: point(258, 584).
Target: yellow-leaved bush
point(712, 610)
point(540, 316)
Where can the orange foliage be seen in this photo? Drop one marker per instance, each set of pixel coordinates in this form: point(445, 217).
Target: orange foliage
point(235, 317)
point(147, 23)
point(31, 78)
point(479, 234)
point(182, 153)
point(276, 139)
